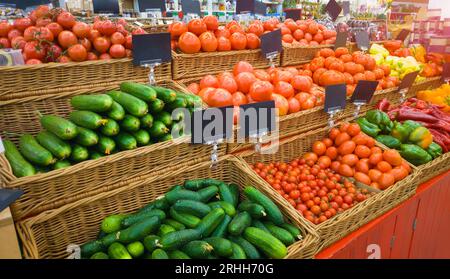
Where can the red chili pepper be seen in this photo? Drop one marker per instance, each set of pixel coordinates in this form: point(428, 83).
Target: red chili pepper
point(405, 114)
point(439, 139)
point(383, 105)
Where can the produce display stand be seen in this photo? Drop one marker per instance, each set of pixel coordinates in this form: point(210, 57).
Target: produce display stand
point(48, 234)
point(295, 55)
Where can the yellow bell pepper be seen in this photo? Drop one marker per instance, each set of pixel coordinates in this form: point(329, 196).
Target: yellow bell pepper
point(421, 136)
point(439, 96)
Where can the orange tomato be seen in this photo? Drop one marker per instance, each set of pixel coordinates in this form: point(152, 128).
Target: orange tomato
point(319, 147)
point(310, 156)
point(281, 102)
point(341, 138)
point(349, 159)
point(212, 23)
point(223, 44)
point(370, 142)
point(238, 41)
point(347, 147)
point(301, 83)
point(189, 43)
point(309, 103)
point(362, 151)
point(386, 180)
point(253, 41)
point(227, 81)
point(334, 133)
point(362, 177)
point(362, 166)
point(344, 127)
point(392, 157)
point(294, 105)
point(197, 26)
point(360, 139)
point(220, 98)
point(335, 166)
point(244, 81)
point(374, 174)
point(209, 81)
point(239, 99)
point(340, 51)
point(262, 75)
point(375, 149)
point(261, 91)
point(325, 161)
point(399, 173)
point(375, 158)
point(331, 152)
point(194, 88)
point(208, 41)
point(346, 58)
point(384, 166)
point(204, 93)
point(241, 67)
point(353, 129)
point(345, 170)
point(284, 89)
point(328, 142)
point(282, 75)
point(406, 166)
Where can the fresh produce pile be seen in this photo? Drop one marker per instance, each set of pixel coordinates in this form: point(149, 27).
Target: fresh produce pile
point(54, 35)
point(439, 96)
point(203, 219)
point(418, 129)
point(101, 125)
point(206, 34)
point(291, 89)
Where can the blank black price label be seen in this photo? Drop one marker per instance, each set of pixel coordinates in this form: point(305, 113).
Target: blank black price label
point(105, 7)
point(256, 119)
point(335, 97)
point(190, 7)
point(408, 81)
point(362, 40)
point(151, 48)
point(152, 4)
point(364, 91)
point(211, 125)
point(333, 9)
point(245, 6)
point(294, 14)
point(8, 196)
point(341, 39)
point(271, 43)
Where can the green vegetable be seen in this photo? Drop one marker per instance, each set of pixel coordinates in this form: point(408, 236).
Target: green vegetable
point(367, 127)
point(255, 210)
point(222, 247)
point(225, 194)
point(179, 102)
point(90, 248)
point(59, 148)
point(118, 251)
point(130, 123)
point(139, 230)
point(178, 255)
point(207, 193)
point(421, 136)
point(165, 118)
point(411, 125)
point(99, 256)
point(131, 104)
point(377, 117)
point(165, 94)
point(125, 141)
point(165, 229)
point(271, 209)
point(105, 145)
point(239, 223)
point(195, 208)
point(280, 233)
point(62, 128)
point(95, 103)
point(238, 252)
point(258, 224)
point(174, 240)
point(222, 228)
point(415, 154)
point(188, 220)
point(79, 153)
point(117, 112)
point(401, 132)
point(135, 249)
point(166, 137)
point(138, 90)
point(112, 223)
point(156, 106)
point(158, 129)
point(146, 121)
point(159, 254)
point(434, 150)
point(210, 222)
point(34, 152)
point(198, 249)
point(294, 231)
point(86, 137)
point(111, 128)
point(19, 165)
point(268, 244)
point(61, 164)
point(151, 242)
point(95, 155)
point(175, 224)
point(234, 189)
point(226, 206)
point(250, 250)
point(142, 137)
point(173, 196)
point(389, 141)
point(87, 119)
point(141, 216)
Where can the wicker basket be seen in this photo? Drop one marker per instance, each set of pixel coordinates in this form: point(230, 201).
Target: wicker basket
point(25, 81)
point(204, 63)
point(56, 188)
point(349, 220)
point(295, 55)
point(48, 234)
point(156, 28)
point(434, 168)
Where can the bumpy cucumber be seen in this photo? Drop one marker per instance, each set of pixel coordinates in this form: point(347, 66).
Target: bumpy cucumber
point(112, 223)
point(79, 153)
point(131, 104)
point(267, 243)
point(198, 249)
point(197, 184)
point(146, 121)
point(222, 247)
point(255, 210)
point(226, 195)
point(226, 206)
point(156, 204)
point(177, 239)
point(239, 223)
point(139, 230)
point(207, 193)
point(271, 209)
point(106, 145)
point(188, 220)
point(118, 251)
point(222, 229)
point(142, 137)
point(156, 106)
point(195, 208)
point(96, 103)
point(117, 112)
point(151, 242)
point(86, 137)
point(141, 216)
point(61, 164)
point(294, 231)
point(234, 189)
point(238, 252)
point(175, 224)
point(159, 254)
point(280, 233)
point(19, 165)
point(141, 91)
point(59, 148)
point(130, 123)
point(173, 196)
point(210, 222)
point(111, 128)
point(165, 94)
point(258, 224)
point(250, 251)
point(125, 141)
point(90, 248)
point(34, 152)
point(62, 128)
point(87, 119)
point(178, 255)
point(165, 229)
point(136, 249)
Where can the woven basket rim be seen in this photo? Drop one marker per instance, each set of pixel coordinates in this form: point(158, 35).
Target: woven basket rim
point(176, 54)
point(290, 46)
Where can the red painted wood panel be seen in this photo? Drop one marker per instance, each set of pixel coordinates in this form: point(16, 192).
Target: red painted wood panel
point(403, 232)
point(381, 235)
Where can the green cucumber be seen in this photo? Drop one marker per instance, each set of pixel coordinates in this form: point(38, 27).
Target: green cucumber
point(151, 242)
point(112, 223)
point(87, 119)
point(280, 233)
point(208, 193)
point(139, 230)
point(165, 118)
point(294, 231)
point(159, 254)
point(141, 91)
point(160, 203)
point(90, 248)
point(250, 251)
point(176, 239)
point(156, 106)
point(158, 129)
point(109, 239)
point(197, 184)
point(34, 152)
point(96, 103)
point(136, 249)
point(175, 224)
point(146, 121)
point(226, 206)
point(99, 256)
point(188, 220)
point(164, 94)
point(178, 255)
point(111, 128)
point(95, 155)
point(117, 112)
point(101, 234)
point(222, 228)
point(79, 153)
point(195, 208)
point(234, 189)
point(226, 195)
point(130, 123)
point(61, 164)
point(238, 252)
point(239, 223)
point(125, 141)
point(141, 216)
point(265, 242)
point(131, 104)
point(19, 165)
point(179, 102)
point(106, 145)
point(62, 128)
point(271, 209)
point(165, 229)
point(255, 210)
point(176, 187)
point(173, 196)
point(166, 137)
point(222, 247)
point(59, 148)
point(118, 251)
point(86, 137)
point(142, 137)
point(258, 224)
point(198, 249)
point(40, 169)
point(210, 222)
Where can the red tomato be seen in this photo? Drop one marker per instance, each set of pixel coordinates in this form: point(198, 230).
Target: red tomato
point(197, 26)
point(67, 39)
point(4, 43)
point(66, 20)
point(117, 51)
point(177, 28)
point(239, 99)
point(301, 83)
point(5, 27)
point(34, 50)
point(209, 81)
point(294, 105)
point(280, 103)
point(86, 43)
point(53, 53)
point(108, 28)
point(284, 89)
point(81, 29)
point(238, 41)
point(261, 91)
point(22, 23)
point(91, 56)
point(212, 23)
point(55, 28)
point(33, 61)
point(102, 44)
point(222, 31)
point(244, 81)
point(241, 67)
point(208, 42)
point(104, 56)
point(220, 98)
point(118, 38)
point(77, 53)
point(223, 44)
point(128, 42)
point(189, 43)
point(18, 42)
point(228, 82)
point(14, 33)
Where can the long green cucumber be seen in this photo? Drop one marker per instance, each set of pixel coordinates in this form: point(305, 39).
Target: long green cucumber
point(159, 254)
point(151, 242)
point(226, 206)
point(140, 216)
point(130, 123)
point(165, 94)
point(195, 208)
point(294, 231)
point(178, 255)
point(255, 210)
point(34, 152)
point(271, 209)
point(117, 112)
point(95, 103)
point(250, 250)
point(141, 91)
point(222, 229)
point(118, 251)
point(225, 194)
point(19, 165)
point(175, 224)
point(210, 222)
point(87, 119)
point(238, 252)
point(207, 193)
point(86, 137)
point(106, 145)
point(198, 249)
point(222, 247)
point(177, 239)
point(61, 164)
point(188, 220)
point(62, 128)
point(113, 223)
point(131, 104)
point(265, 242)
point(139, 230)
point(165, 229)
point(58, 147)
point(280, 233)
point(174, 196)
point(142, 137)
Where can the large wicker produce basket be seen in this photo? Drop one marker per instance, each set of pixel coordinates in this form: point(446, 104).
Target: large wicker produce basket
point(56, 188)
point(204, 63)
point(295, 55)
point(48, 234)
point(25, 81)
point(349, 220)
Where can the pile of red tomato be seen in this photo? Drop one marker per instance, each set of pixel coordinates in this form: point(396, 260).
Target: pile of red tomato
point(303, 32)
point(55, 36)
point(336, 67)
point(291, 89)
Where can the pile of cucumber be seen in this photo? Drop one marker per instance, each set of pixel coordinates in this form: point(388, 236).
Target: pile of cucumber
point(201, 219)
point(101, 125)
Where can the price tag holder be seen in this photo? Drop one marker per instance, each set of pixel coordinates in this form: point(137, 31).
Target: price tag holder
point(295, 14)
point(341, 40)
point(333, 9)
point(363, 94)
point(335, 100)
point(403, 35)
point(446, 72)
point(150, 50)
point(362, 40)
point(190, 7)
point(212, 126)
point(406, 84)
point(245, 6)
point(256, 120)
point(8, 196)
point(271, 45)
